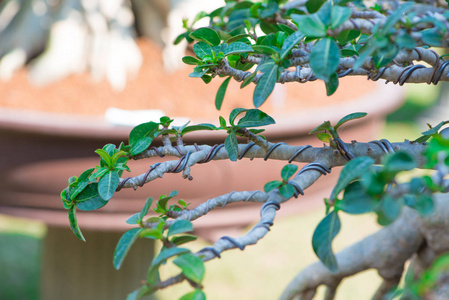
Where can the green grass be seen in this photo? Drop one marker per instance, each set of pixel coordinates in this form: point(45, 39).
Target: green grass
point(20, 253)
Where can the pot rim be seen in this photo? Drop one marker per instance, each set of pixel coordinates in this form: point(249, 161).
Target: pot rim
point(383, 99)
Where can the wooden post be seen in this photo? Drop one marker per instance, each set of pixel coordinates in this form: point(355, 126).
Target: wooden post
point(76, 270)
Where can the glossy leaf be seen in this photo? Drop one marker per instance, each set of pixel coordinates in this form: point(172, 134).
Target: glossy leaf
point(74, 224)
point(202, 49)
point(235, 113)
point(207, 35)
point(221, 93)
point(140, 146)
point(192, 266)
point(82, 182)
point(322, 239)
point(324, 137)
point(332, 84)
point(180, 226)
point(399, 161)
point(290, 42)
point(265, 86)
point(190, 60)
point(195, 295)
point(148, 129)
point(356, 200)
point(323, 127)
point(287, 190)
point(255, 118)
point(89, 199)
point(168, 253)
point(133, 220)
point(231, 146)
point(178, 240)
point(264, 49)
point(310, 25)
point(271, 185)
point(288, 171)
point(325, 58)
point(145, 208)
point(339, 15)
point(124, 245)
point(108, 184)
point(390, 209)
point(349, 117)
point(314, 5)
point(351, 171)
point(237, 48)
point(105, 157)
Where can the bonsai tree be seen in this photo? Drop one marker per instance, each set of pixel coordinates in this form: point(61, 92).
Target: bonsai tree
point(275, 41)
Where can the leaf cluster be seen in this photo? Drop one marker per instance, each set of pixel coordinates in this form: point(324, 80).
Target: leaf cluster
point(172, 236)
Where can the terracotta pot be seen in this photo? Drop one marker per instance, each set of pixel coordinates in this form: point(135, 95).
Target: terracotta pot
point(45, 149)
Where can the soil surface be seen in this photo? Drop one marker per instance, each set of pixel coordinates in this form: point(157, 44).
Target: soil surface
point(154, 88)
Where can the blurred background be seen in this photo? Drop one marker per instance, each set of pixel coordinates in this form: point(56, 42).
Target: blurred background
point(73, 72)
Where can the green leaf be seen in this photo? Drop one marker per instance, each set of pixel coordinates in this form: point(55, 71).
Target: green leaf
point(324, 137)
point(399, 161)
point(89, 199)
point(234, 114)
point(133, 220)
point(195, 295)
point(310, 25)
point(290, 42)
point(105, 157)
point(168, 253)
point(349, 117)
point(332, 84)
point(141, 131)
point(405, 41)
point(432, 37)
point(288, 171)
point(202, 126)
point(207, 35)
point(351, 171)
point(74, 224)
point(255, 118)
point(202, 49)
point(139, 293)
point(221, 93)
point(190, 60)
point(248, 80)
point(287, 190)
point(81, 184)
point(199, 73)
point(264, 49)
point(232, 146)
point(394, 18)
point(325, 58)
point(322, 239)
point(145, 208)
point(314, 5)
point(271, 185)
point(424, 205)
point(236, 48)
point(192, 266)
point(178, 240)
point(356, 200)
point(265, 86)
point(108, 184)
point(390, 209)
point(347, 35)
point(123, 246)
point(179, 226)
point(339, 15)
point(140, 146)
point(323, 127)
